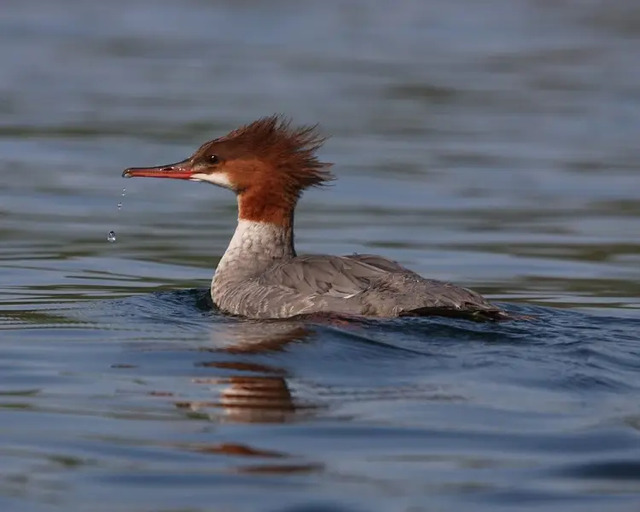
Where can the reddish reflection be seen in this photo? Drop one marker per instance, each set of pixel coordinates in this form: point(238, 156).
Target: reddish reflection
point(264, 397)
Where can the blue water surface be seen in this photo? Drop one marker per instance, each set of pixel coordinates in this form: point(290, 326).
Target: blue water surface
point(493, 144)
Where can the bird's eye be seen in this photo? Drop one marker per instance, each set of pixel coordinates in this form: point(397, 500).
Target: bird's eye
point(213, 159)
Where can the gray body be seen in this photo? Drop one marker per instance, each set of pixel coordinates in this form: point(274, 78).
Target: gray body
point(260, 276)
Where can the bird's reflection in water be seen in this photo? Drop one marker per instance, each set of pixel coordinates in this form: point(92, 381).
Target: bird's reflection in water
point(258, 393)
point(250, 392)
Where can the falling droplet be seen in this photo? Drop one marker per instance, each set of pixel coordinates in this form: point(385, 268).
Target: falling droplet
point(111, 237)
point(124, 192)
point(119, 206)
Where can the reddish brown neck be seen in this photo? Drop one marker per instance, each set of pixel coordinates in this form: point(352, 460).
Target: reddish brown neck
point(270, 206)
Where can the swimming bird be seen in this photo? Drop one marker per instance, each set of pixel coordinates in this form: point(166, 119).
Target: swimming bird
point(268, 164)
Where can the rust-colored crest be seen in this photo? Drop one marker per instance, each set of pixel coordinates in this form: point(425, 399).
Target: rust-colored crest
point(289, 152)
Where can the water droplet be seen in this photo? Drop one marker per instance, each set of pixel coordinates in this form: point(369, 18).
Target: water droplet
point(111, 237)
point(119, 206)
point(124, 192)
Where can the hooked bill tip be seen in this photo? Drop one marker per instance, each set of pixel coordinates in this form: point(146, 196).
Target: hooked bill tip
point(126, 173)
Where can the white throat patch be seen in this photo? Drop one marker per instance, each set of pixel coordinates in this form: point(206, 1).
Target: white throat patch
point(217, 178)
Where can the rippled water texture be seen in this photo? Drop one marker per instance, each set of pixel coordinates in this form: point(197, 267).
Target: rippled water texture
point(493, 144)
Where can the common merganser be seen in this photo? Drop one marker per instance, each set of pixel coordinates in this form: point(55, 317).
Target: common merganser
point(268, 163)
